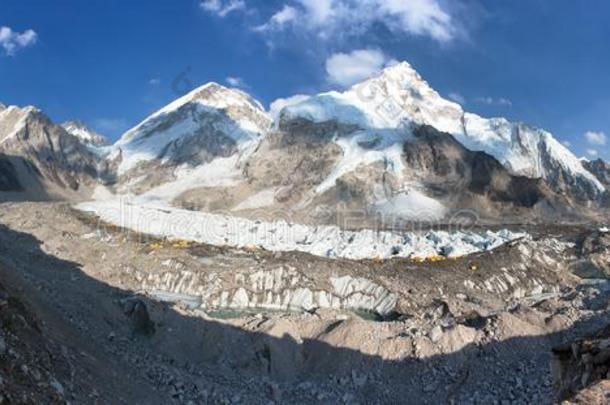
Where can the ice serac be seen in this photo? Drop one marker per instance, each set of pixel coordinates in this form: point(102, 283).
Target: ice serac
point(283, 289)
point(84, 133)
point(210, 122)
point(398, 99)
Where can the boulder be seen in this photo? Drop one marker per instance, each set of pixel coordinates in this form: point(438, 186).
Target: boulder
point(581, 369)
point(594, 261)
point(137, 312)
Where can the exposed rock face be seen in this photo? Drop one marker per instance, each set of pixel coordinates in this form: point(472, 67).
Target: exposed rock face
point(581, 367)
point(295, 162)
point(313, 167)
point(600, 169)
point(9, 178)
point(564, 181)
point(42, 160)
point(445, 165)
point(326, 172)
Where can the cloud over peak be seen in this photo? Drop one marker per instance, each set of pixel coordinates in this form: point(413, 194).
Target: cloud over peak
point(596, 138)
point(12, 41)
point(420, 17)
point(235, 81)
point(345, 69)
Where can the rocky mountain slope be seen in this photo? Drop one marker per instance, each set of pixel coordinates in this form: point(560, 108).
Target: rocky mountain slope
point(208, 123)
point(581, 368)
point(40, 159)
point(600, 169)
point(390, 146)
point(399, 98)
point(427, 175)
point(477, 329)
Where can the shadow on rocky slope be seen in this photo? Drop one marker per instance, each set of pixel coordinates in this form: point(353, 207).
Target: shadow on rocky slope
point(102, 345)
point(40, 176)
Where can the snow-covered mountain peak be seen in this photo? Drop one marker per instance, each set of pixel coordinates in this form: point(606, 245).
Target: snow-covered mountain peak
point(13, 119)
point(209, 121)
point(235, 103)
point(399, 97)
point(401, 76)
point(24, 111)
point(213, 95)
point(84, 133)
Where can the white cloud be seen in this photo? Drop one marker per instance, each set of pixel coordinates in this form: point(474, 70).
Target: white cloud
point(346, 69)
point(222, 8)
point(592, 152)
point(501, 102)
point(276, 107)
point(154, 81)
point(236, 82)
point(422, 17)
point(285, 16)
point(457, 97)
point(12, 41)
point(333, 19)
point(596, 138)
point(319, 11)
point(567, 144)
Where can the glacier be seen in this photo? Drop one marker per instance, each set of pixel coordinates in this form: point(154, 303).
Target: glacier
point(280, 236)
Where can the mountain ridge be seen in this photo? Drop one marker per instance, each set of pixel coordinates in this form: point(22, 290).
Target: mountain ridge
point(46, 161)
point(324, 149)
point(84, 133)
point(399, 94)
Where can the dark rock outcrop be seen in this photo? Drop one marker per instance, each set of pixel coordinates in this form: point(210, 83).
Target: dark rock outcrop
point(447, 166)
point(581, 369)
point(600, 169)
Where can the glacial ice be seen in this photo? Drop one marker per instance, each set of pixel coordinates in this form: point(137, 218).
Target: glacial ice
point(282, 236)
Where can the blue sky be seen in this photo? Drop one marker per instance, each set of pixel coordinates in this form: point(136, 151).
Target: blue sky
point(112, 62)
